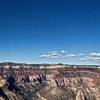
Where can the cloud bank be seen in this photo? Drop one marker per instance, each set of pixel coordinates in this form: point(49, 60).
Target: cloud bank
point(94, 56)
point(58, 54)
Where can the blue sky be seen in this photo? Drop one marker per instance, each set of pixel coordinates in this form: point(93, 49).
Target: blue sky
point(35, 31)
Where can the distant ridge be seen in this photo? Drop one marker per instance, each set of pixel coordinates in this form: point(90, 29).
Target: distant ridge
point(44, 64)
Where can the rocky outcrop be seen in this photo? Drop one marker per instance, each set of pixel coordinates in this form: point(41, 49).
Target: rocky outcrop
point(57, 93)
point(80, 95)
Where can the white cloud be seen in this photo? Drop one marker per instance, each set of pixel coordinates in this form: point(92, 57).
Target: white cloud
point(95, 57)
point(83, 59)
point(94, 54)
point(58, 54)
point(80, 54)
point(51, 54)
point(45, 56)
point(63, 52)
point(70, 55)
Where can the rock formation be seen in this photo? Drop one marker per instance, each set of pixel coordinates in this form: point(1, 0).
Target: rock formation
point(80, 95)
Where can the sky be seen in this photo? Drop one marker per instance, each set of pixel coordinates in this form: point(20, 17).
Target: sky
point(50, 31)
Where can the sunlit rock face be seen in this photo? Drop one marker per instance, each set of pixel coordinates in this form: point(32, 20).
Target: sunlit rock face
point(80, 95)
point(57, 93)
point(12, 96)
point(2, 82)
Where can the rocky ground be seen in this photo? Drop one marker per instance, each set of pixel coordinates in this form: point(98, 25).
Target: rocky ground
point(44, 91)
